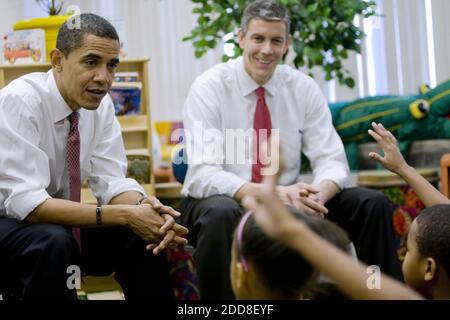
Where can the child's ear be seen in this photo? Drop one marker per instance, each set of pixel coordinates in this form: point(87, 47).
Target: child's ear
point(240, 274)
point(430, 269)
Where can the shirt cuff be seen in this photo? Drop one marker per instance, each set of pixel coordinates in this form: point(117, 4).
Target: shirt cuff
point(222, 183)
point(340, 177)
point(120, 186)
point(20, 206)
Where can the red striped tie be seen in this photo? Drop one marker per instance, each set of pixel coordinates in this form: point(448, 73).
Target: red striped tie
point(73, 164)
point(262, 126)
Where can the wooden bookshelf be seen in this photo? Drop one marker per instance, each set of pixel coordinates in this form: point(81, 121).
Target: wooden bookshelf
point(136, 129)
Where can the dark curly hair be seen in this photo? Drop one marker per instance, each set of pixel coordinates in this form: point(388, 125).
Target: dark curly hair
point(433, 234)
point(71, 37)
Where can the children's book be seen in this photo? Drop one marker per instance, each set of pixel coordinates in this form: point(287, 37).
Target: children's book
point(126, 97)
point(23, 47)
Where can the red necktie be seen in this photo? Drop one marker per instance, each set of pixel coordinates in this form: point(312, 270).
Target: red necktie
point(73, 164)
point(262, 126)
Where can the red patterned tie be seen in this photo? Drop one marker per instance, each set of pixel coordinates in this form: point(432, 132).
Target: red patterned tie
point(73, 164)
point(262, 126)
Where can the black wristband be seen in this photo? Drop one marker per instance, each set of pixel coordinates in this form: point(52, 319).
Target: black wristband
point(98, 215)
point(140, 200)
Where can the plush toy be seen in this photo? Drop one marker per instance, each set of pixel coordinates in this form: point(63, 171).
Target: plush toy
point(412, 117)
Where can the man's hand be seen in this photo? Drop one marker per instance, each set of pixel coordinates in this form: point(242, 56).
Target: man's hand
point(174, 236)
point(157, 229)
point(160, 208)
point(304, 197)
point(393, 159)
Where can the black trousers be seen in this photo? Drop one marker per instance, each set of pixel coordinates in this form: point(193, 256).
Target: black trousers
point(34, 261)
point(365, 214)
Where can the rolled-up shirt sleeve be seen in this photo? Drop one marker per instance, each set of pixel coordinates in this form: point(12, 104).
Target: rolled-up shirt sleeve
point(24, 167)
point(205, 146)
point(109, 163)
point(321, 143)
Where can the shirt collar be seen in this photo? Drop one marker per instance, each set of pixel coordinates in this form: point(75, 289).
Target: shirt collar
point(248, 85)
point(58, 106)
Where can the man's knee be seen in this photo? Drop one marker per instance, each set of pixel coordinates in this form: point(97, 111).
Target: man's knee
point(220, 209)
point(379, 208)
point(376, 198)
point(53, 238)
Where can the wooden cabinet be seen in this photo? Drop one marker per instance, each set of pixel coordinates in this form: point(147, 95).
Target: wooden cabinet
point(136, 129)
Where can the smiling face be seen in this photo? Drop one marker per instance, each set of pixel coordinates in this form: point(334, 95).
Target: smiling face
point(263, 45)
point(85, 76)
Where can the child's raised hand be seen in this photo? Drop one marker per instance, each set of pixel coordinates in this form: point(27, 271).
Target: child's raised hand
point(393, 159)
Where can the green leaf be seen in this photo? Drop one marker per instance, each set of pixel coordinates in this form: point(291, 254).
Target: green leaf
point(349, 82)
point(343, 54)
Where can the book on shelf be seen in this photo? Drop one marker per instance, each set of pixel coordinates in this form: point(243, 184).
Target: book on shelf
point(126, 77)
point(139, 165)
point(23, 47)
point(126, 97)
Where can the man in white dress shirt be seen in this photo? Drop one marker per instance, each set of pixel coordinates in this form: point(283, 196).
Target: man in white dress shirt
point(42, 117)
point(222, 105)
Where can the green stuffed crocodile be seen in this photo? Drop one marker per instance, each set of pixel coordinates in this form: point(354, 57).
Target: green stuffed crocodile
point(412, 117)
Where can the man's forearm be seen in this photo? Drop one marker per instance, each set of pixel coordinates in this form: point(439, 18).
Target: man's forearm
point(128, 197)
point(76, 214)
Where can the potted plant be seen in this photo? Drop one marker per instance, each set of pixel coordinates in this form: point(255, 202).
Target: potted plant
point(323, 30)
point(50, 24)
point(52, 7)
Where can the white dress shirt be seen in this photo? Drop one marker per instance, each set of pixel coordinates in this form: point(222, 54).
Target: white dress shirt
point(224, 98)
point(33, 135)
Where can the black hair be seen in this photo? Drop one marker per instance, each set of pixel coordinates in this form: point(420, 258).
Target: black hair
point(283, 270)
point(433, 234)
point(71, 35)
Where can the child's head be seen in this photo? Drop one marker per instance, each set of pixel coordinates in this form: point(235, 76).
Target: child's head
point(262, 268)
point(427, 261)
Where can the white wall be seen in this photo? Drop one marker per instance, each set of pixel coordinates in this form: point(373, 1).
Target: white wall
point(441, 26)
point(10, 12)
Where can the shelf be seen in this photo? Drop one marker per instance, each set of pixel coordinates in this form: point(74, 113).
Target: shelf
point(168, 190)
point(134, 123)
point(26, 65)
point(138, 151)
